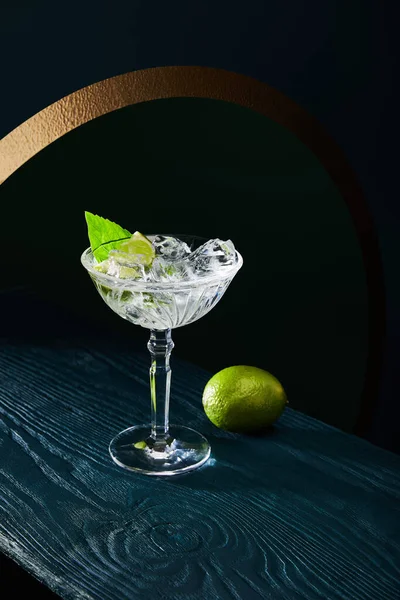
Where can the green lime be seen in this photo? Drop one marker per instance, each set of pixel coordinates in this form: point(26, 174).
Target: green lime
point(140, 445)
point(128, 273)
point(141, 247)
point(102, 267)
point(243, 399)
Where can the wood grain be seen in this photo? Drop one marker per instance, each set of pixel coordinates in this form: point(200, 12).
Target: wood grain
point(302, 512)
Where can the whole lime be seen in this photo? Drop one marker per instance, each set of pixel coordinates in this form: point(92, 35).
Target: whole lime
point(243, 399)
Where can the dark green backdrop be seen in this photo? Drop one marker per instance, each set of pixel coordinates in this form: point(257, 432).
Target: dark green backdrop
point(299, 305)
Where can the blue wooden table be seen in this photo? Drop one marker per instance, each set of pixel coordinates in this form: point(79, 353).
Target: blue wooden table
point(302, 512)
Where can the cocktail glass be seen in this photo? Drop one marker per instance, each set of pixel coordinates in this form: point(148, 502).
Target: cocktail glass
point(160, 448)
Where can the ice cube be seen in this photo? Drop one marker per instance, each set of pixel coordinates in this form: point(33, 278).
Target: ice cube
point(124, 258)
point(167, 270)
point(123, 266)
point(212, 257)
point(170, 247)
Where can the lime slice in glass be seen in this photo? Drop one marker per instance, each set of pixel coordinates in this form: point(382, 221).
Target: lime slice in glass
point(102, 267)
point(139, 246)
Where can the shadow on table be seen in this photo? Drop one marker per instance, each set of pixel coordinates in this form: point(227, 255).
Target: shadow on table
point(289, 457)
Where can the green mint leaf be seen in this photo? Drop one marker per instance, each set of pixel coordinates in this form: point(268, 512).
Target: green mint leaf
point(104, 235)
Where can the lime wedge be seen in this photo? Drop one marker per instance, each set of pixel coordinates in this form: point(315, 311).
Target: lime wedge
point(140, 445)
point(139, 246)
point(102, 267)
point(128, 273)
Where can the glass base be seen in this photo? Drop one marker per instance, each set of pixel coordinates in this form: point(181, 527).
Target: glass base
point(183, 450)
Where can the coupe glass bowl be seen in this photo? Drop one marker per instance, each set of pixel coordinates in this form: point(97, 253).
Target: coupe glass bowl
point(160, 448)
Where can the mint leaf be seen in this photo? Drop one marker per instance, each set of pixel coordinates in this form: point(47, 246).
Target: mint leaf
point(104, 235)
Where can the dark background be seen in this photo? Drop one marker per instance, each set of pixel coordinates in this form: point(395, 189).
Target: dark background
point(334, 58)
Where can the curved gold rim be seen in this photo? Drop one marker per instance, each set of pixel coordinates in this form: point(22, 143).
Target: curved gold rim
point(201, 82)
point(103, 97)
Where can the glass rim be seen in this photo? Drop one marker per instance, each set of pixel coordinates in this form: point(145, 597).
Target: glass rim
point(133, 284)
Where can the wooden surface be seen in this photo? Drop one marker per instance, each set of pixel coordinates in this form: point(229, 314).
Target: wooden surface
point(302, 512)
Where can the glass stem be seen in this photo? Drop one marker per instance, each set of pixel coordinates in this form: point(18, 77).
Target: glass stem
point(160, 347)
